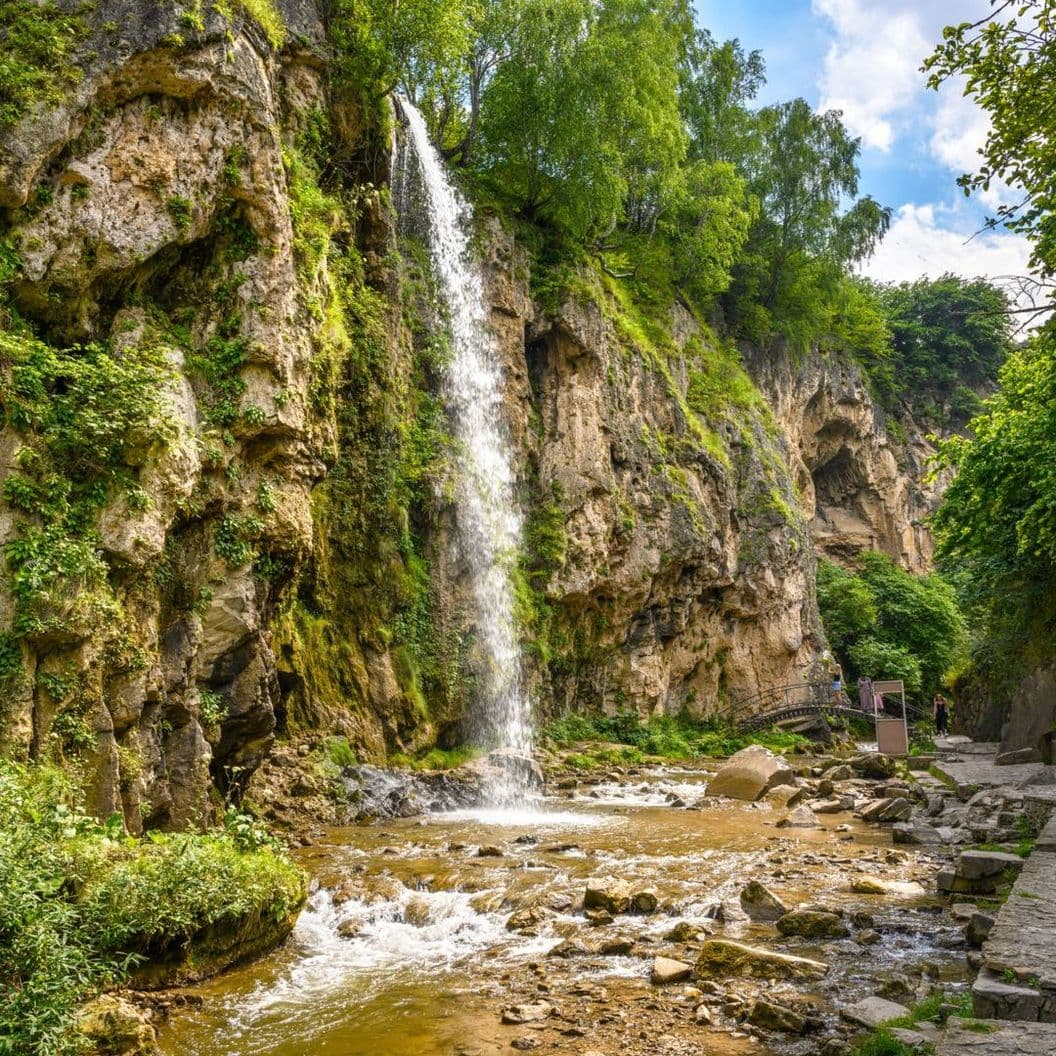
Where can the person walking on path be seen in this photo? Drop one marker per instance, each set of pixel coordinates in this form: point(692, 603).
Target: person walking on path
point(940, 711)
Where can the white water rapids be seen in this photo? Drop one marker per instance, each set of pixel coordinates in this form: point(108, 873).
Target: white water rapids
point(487, 519)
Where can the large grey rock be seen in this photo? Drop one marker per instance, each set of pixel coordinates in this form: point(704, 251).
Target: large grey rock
point(667, 970)
point(772, 1016)
point(976, 865)
point(750, 774)
point(891, 809)
point(760, 903)
point(915, 832)
point(873, 1012)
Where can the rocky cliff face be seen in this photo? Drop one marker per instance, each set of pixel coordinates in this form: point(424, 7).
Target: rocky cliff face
point(150, 208)
point(226, 486)
point(678, 570)
point(861, 486)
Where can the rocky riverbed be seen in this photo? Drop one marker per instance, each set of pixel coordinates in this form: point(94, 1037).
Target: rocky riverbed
point(629, 910)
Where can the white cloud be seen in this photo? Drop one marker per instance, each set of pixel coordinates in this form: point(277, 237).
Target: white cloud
point(931, 240)
point(871, 70)
point(959, 130)
point(872, 73)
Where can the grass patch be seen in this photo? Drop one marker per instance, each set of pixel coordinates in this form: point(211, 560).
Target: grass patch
point(933, 1009)
point(340, 752)
point(437, 758)
point(671, 737)
point(80, 900)
point(602, 757)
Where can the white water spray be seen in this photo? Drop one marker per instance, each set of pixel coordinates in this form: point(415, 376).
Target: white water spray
point(488, 522)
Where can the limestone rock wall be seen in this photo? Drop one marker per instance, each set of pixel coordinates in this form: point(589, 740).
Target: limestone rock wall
point(861, 486)
point(685, 572)
point(151, 204)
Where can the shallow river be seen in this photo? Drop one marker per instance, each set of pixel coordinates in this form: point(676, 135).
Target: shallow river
point(403, 948)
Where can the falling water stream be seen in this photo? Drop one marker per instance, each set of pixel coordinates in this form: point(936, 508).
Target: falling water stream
point(487, 519)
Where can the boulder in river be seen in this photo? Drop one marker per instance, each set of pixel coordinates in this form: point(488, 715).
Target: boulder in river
point(833, 805)
point(750, 774)
point(813, 924)
point(531, 1012)
point(874, 885)
point(722, 959)
point(771, 1016)
point(690, 931)
point(872, 1012)
point(760, 903)
point(645, 900)
point(114, 1025)
point(527, 919)
point(667, 970)
point(569, 948)
point(800, 818)
point(608, 893)
point(785, 796)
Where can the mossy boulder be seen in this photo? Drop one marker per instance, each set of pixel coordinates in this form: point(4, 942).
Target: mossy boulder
point(723, 959)
point(813, 924)
point(111, 1024)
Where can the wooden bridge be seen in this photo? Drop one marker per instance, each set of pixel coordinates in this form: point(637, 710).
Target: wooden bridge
point(803, 700)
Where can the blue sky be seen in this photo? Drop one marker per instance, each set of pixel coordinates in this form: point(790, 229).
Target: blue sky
point(863, 57)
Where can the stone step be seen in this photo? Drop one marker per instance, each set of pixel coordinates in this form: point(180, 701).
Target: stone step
point(1046, 841)
point(970, 774)
point(1018, 979)
point(993, 1038)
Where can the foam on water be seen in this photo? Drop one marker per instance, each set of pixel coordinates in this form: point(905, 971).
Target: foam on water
point(418, 931)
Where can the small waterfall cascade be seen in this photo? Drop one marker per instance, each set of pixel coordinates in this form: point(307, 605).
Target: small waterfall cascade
point(488, 523)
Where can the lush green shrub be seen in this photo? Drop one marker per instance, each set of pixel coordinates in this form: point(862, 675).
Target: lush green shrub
point(438, 758)
point(996, 526)
point(79, 900)
point(673, 737)
point(84, 418)
point(880, 659)
point(884, 622)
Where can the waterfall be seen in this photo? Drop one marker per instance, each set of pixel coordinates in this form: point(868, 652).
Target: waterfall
point(488, 524)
